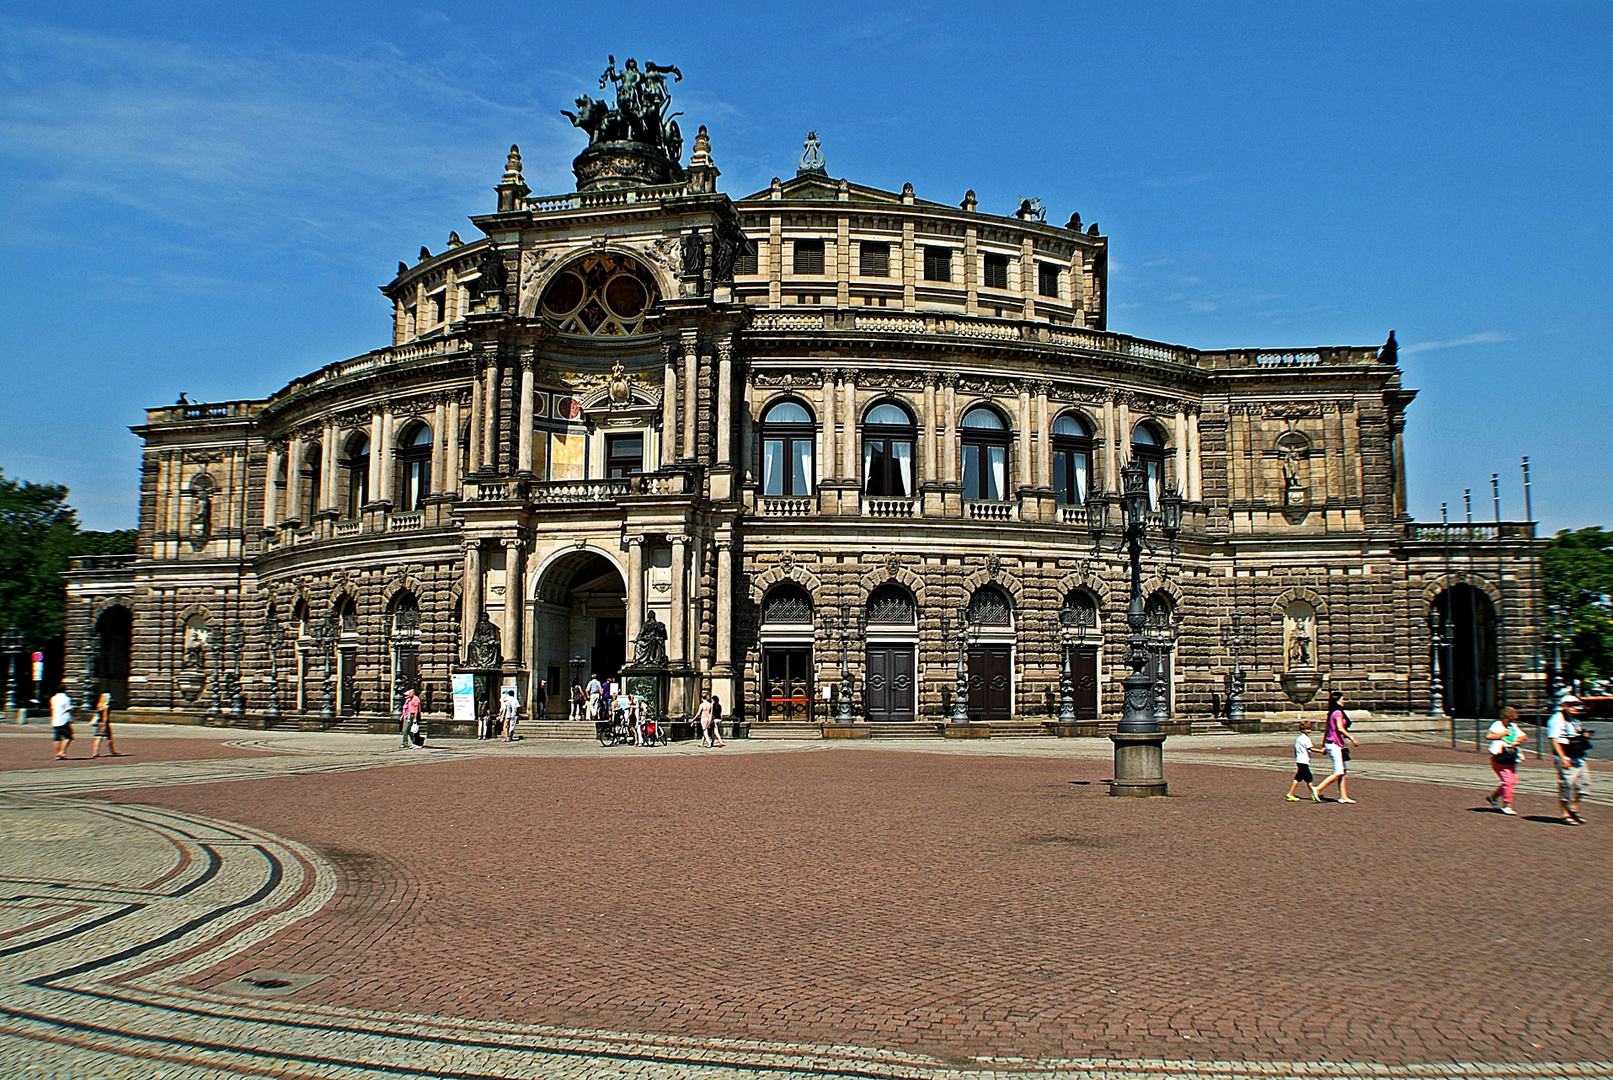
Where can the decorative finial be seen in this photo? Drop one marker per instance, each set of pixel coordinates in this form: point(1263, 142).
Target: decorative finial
point(1074, 224)
point(425, 253)
point(969, 201)
point(454, 240)
point(811, 157)
point(907, 193)
point(512, 166)
point(1092, 230)
point(1031, 210)
point(1390, 353)
point(403, 268)
point(700, 156)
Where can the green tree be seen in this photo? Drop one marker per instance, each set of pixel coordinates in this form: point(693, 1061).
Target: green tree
point(1578, 570)
point(39, 533)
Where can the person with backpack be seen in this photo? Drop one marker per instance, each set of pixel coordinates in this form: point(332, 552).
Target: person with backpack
point(1506, 748)
point(1569, 745)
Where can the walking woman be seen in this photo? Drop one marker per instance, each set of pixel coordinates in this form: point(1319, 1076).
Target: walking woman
point(705, 721)
point(1338, 731)
point(1506, 750)
point(103, 727)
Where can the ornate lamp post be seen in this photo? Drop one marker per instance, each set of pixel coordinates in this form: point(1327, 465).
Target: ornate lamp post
point(1161, 633)
point(1139, 743)
point(11, 646)
point(1235, 640)
point(327, 645)
point(960, 689)
point(237, 692)
point(271, 636)
point(1074, 622)
point(1436, 685)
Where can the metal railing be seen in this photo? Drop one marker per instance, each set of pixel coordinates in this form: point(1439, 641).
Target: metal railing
point(1461, 532)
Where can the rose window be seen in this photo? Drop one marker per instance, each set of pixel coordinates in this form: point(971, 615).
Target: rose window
point(600, 295)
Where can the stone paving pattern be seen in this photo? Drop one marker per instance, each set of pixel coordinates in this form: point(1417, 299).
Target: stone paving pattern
point(929, 910)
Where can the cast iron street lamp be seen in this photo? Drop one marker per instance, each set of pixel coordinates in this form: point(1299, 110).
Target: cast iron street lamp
point(11, 646)
point(960, 688)
point(1074, 622)
point(327, 645)
point(845, 714)
point(1139, 742)
point(1235, 639)
point(271, 635)
point(1161, 633)
point(237, 693)
point(1436, 686)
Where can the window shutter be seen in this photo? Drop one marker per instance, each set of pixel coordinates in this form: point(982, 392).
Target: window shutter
point(874, 260)
point(809, 257)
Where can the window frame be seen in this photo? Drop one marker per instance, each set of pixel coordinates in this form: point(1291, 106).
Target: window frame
point(881, 251)
point(358, 475)
point(993, 261)
point(612, 458)
point(789, 434)
point(414, 459)
point(1152, 457)
point(1044, 271)
point(809, 247)
point(888, 436)
point(1068, 446)
point(937, 253)
point(981, 440)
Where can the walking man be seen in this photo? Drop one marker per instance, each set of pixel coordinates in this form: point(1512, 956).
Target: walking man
point(61, 721)
point(509, 711)
point(409, 721)
point(1569, 746)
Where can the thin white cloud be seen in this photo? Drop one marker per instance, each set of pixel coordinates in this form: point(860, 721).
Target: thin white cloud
point(1485, 338)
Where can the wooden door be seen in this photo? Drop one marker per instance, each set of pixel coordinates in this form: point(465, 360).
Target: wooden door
point(407, 675)
point(990, 682)
point(787, 684)
point(888, 697)
point(349, 681)
point(1084, 671)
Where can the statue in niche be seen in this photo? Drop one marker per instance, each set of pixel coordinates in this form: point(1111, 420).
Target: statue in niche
point(694, 254)
point(649, 648)
point(492, 274)
point(485, 650)
point(1301, 653)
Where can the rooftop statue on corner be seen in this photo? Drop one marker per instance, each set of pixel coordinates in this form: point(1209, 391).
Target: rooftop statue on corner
point(640, 115)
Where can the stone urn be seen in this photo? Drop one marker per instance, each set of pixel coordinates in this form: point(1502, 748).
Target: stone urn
point(1301, 684)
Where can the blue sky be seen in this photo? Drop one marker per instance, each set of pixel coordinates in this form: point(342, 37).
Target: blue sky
point(204, 197)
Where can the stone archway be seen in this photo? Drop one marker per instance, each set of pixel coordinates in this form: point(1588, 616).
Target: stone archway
point(1466, 619)
point(113, 642)
point(578, 623)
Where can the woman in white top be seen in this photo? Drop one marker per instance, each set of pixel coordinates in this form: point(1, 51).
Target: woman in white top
point(1506, 750)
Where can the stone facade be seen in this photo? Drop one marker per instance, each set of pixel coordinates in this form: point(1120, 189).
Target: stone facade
point(575, 425)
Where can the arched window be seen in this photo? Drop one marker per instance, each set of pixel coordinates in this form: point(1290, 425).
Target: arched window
point(1148, 447)
point(989, 606)
point(601, 294)
point(311, 473)
point(414, 461)
point(890, 605)
point(985, 454)
point(787, 439)
point(1072, 459)
point(888, 434)
point(358, 474)
point(1080, 611)
point(787, 604)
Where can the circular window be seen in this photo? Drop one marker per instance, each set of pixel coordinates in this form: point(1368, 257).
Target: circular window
point(626, 296)
point(565, 293)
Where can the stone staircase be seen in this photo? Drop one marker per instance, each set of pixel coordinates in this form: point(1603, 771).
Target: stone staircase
point(781, 729)
point(555, 729)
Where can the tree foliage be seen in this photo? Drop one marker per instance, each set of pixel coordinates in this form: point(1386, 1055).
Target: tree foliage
point(39, 533)
point(1578, 570)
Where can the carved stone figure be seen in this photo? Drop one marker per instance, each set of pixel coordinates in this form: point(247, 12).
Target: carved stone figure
point(694, 254)
point(725, 248)
point(649, 648)
point(485, 650)
point(491, 269)
point(640, 115)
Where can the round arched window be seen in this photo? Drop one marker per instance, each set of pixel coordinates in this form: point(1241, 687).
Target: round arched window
point(989, 606)
point(414, 462)
point(602, 294)
point(890, 604)
point(888, 434)
point(1072, 459)
point(787, 604)
point(985, 454)
point(787, 441)
point(1148, 447)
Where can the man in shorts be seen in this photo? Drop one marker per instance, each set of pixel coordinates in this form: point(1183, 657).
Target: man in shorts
point(61, 721)
point(1566, 737)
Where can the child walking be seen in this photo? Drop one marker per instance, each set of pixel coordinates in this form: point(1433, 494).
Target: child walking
point(1302, 761)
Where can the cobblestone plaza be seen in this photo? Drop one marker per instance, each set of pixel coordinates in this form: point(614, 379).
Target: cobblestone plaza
point(318, 904)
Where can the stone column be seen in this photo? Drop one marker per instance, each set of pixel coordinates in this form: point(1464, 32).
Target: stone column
point(377, 437)
point(439, 448)
point(1181, 450)
point(829, 466)
point(1044, 439)
point(725, 401)
point(450, 472)
point(1122, 433)
point(669, 406)
point(524, 461)
point(1398, 426)
point(1026, 478)
point(470, 594)
point(1195, 465)
point(389, 457)
point(490, 414)
point(725, 604)
point(678, 620)
point(329, 466)
point(1111, 440)
point(475, 434)
point(691, 394)
point(849, 466)
point(950, 419)
point(928, 424)
point(271, 470)
point(294, 465)
point(635, 588)
point(514, 594)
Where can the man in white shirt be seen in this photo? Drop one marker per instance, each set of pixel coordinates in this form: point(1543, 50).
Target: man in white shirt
point(61, 721)
point(1566, 737)
point(509, 711)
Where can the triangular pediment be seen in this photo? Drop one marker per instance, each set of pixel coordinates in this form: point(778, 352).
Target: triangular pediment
point(814, 186)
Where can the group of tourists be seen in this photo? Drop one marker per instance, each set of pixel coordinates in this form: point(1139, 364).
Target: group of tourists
point(1567, 743)
point(61, 724)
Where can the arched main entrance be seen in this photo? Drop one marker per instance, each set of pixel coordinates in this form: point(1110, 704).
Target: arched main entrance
point(1465, 618)
point(114, 636)
point(579, 624)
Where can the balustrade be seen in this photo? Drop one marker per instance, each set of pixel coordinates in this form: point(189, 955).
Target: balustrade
point(406, 522)
point(346, 528)
point(890, 507)
point(990, 510)
point(775, 507)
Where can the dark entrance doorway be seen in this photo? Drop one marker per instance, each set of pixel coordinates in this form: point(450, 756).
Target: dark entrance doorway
point(888, 698)
point(1465, 617)
point(349, 681)
point(1084, 671)
point(114, 635)
point(787, 684)
point(991, 682)
point(610, 647)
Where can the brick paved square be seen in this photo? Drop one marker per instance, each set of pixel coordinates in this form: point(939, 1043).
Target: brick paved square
point(957, 904)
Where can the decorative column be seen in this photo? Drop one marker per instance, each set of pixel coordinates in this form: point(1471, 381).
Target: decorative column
point(678, 620)
point(928, 421)
point(725, 603)
point(1122, 432)
point(950, 419)
point(514, 593)
point(450, 472)
point(524, 461)
point(490, 413)
point(377, 436)
point(1044, 438)
point(470, 594)
point(669, 406)
point(1181, 447)
point(1026, 425)
point(725, 400)
point(475, 434)
point(329, 465)
point(296, 453)
point(848, 408)
point(389, 456)
point(1195, 462)
point(439, 447)
point(829, 464)
point(271, 469)
point(635, 587)
point(691, 392)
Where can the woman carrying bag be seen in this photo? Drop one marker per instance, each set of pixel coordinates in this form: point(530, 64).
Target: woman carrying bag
point(1506, 750)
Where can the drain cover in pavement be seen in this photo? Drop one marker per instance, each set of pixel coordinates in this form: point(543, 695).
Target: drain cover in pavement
point(266, 983)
